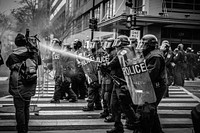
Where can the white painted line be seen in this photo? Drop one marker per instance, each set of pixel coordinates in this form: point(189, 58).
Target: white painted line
point(176, 121)
point(178, 99)
point(181, 96)
point(189, 93)
point(81, 122)
point(178, 92)
point(177, 105)
point(96, 112)
point(180, 105)
point(5, 97)
point(32, 99)
point(3, 78)
point(56, 105)
point(58, 112)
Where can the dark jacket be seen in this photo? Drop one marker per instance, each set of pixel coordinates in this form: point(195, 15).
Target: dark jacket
point(14, 61)
point(156, 66)
point(157, 70)
point(115, 67)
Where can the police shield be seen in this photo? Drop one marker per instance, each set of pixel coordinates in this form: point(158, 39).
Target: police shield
point(136, 75)
point(89, 67)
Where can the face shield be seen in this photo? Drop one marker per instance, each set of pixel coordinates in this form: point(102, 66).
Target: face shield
point(96, 45)
point(141, 45)
point(108, 44)
point(116, 43)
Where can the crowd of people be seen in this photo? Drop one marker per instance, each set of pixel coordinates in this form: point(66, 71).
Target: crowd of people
point(102, 80)
point(180, 64)
point(99, 78)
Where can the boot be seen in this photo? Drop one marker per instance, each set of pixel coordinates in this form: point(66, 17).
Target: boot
point(88, 109)
point(73, 100)
point(104, 114)
point(54, 101)
point(116, 130)
point(109, 118)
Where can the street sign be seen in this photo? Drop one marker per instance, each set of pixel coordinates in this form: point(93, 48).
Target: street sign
point(135, 34)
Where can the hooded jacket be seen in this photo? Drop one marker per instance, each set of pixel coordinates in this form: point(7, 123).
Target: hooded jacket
point(14, 62)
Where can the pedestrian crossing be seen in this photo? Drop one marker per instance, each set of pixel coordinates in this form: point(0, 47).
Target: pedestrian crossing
point(174, 112)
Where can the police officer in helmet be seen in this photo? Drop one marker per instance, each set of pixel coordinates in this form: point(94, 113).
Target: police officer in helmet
point(120, 98)
point(156, 66)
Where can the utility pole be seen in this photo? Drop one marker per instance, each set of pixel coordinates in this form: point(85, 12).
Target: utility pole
point(92, 29)
point(135, 12)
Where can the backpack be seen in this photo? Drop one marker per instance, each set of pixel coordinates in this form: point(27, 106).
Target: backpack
point(28, 71)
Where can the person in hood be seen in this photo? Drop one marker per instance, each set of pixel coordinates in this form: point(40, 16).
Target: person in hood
point(21, 92)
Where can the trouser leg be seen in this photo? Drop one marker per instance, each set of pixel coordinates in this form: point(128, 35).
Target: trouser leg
point(21, 116)
point(57, 91)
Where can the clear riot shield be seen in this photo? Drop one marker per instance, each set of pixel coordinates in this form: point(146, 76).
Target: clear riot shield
point(136, 76)
point(89, 67)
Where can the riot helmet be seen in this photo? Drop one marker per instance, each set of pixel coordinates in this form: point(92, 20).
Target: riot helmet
point(77, 44)
point(133, 41)
point(56, 43)
point(96, 44)
point(180, 46)
point(189, 49)
point(108, 43)
point(147, 44)
point(121, 41)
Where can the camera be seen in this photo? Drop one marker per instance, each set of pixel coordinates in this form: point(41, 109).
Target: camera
point(31, 41)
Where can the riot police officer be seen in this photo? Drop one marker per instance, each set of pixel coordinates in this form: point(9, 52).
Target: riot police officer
point(156, 66)
point(120, 98)
point(57, 69)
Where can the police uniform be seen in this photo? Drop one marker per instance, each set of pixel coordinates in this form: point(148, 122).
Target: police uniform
point(156, 66)
point(180, 67)
point(120, 98)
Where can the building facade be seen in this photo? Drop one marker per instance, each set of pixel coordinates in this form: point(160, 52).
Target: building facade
point(175, 20)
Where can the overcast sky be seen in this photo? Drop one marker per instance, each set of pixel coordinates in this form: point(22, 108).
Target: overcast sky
point(7, 5)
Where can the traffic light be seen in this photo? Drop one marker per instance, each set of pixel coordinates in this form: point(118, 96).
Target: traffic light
point(129, 3)
point(129, 21)
point(93, 24)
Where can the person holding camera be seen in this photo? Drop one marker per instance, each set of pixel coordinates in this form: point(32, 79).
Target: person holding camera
point(22, 86)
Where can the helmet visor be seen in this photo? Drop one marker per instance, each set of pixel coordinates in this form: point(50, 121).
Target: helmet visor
point(141, 45)
point(116, 43)
point(108, 44)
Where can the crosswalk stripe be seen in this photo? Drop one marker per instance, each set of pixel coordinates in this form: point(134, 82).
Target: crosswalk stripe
point(96, 112)
point(69, 122)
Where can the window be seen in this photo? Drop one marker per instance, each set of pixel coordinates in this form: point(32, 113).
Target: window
point(70, 7)
point(86, 20)
point(183, 5)
point(79, 23)
point(108, 9)
point(97, 13)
